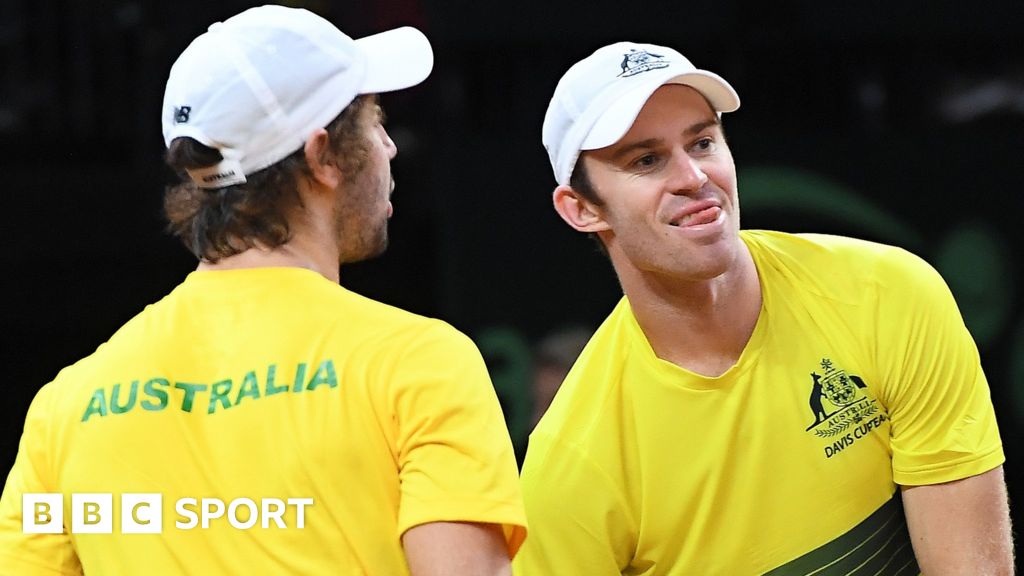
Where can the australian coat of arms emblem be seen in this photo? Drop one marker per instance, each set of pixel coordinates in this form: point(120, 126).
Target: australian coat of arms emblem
point(637, 61)
point(838, 400)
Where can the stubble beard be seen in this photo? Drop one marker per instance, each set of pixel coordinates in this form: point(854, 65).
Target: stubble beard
point(362, 229)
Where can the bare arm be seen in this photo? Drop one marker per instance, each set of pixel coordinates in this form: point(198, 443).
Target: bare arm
point(961, 527)
point(456, 549)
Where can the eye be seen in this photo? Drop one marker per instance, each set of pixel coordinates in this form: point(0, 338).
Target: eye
point(705, 145)
point(645, 163)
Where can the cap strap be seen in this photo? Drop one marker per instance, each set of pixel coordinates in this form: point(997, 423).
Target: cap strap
point(227, 172)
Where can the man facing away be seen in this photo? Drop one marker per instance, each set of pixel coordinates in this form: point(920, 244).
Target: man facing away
point(288, 425)
point(683, 440)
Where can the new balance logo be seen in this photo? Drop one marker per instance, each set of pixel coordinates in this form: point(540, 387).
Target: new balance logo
point(181, 114)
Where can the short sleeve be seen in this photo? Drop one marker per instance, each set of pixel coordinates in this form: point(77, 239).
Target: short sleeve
point(33, 554)
point(943, 424)
point(456, 461)
point(579, 523)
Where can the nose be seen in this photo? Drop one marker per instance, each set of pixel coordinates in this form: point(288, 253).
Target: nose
point(389, 144)
point(687, 175)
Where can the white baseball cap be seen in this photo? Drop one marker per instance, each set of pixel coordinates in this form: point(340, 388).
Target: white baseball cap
point(258, 84)
point(599, 98)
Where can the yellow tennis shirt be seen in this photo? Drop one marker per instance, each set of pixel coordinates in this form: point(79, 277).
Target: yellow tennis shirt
point(859, 376)
point(288, 426)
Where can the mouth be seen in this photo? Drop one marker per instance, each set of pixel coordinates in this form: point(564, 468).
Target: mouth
point(697, 213)
point(391, 191)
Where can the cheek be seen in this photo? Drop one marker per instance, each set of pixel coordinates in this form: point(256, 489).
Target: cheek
point(726, 169)
point(382, 158)
point(724, 177)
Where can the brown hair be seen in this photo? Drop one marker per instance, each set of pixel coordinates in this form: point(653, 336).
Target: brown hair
point(580, 182)
point(221, 222)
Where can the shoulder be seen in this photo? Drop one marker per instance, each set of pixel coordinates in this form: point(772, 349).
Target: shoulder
point(835, 264)
point(795, 247)
point(399, 326)
point(58, 401)
point(378, 319)
point(587, 397)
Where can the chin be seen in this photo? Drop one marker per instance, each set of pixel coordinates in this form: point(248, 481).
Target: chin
point(365, 252)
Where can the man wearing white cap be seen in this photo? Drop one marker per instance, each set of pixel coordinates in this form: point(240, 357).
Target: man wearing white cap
point(757, 402)
point(261, 419)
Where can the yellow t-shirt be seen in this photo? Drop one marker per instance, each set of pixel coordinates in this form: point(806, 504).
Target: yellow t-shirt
point(859, 376)
point(264, 385)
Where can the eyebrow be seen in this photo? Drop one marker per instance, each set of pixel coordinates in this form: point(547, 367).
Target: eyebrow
point(691, 130)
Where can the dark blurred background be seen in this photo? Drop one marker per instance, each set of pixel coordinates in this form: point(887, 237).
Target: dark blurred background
point(895, 121)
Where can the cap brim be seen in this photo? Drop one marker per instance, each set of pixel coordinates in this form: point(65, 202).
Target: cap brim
point(396, 59)
point(618, 118)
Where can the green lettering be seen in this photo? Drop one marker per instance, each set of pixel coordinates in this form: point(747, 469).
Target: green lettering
point(324, 375)
point(219, 393)
point(190, 393)
point(250, 387)
point(300, 377)
point(270, 389)
point(117, 408)
point(97, 405)
point(158, 393)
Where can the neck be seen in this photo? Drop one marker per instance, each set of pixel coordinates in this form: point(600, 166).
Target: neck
point(299, 252)
point(702, 326)
point(313, 244)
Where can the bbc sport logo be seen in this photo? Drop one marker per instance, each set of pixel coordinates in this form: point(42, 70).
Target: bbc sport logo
point(93, 513)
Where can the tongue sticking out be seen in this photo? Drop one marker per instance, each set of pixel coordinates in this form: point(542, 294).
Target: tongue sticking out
point(705, 216)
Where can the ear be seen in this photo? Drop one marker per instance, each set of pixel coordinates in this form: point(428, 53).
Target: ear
point(577, 211)
point(318, 158)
